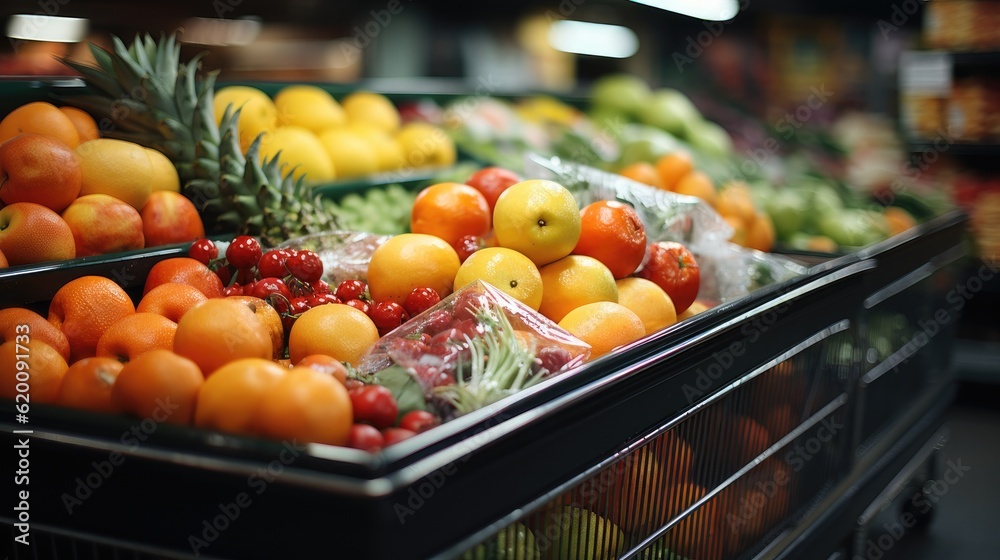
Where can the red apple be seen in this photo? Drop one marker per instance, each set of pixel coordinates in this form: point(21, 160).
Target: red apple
point(103, 224)
point(672, 267)
point(169, 217)
point(31, 233)
point(491, 181)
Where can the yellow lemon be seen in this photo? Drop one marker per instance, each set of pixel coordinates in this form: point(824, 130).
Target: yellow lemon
point(425, 145)
point(352, 155)
point(301, 154)
point(604, 326)
point(371, 108)
point(258, 115)
point(647, 300)
point(573, 281)
point(387, 151)
point(165, 176)
point(506, 269)
point(539, 219)
point(117, 168)
point(310, 107)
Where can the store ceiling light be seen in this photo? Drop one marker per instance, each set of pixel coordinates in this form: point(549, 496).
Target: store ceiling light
point(220, 32)
point(712, 10)
point(595, 39)
point(37, 27)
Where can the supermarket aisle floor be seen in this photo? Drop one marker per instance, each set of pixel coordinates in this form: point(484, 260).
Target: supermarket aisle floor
point(967, 517)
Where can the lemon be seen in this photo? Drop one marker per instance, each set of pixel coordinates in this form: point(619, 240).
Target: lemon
point(506, 269)
point(539, 219)
point(387, 151)
point(647, 300)
point(258, 115)
point(425, 145)
point(309, 107)
point(352, 154)
point(164, 173)
point(301, 154)
point(117, 168)
point(573, 281)
point(371, 108)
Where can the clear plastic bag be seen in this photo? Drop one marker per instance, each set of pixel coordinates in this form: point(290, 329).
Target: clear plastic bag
point(475, 347)
point(729, 271)
point(345, 254)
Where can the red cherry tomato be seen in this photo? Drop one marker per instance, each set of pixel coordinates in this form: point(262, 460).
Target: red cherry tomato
point(351, 289)
point(418, 421)
point(672, 267)
point(396, 435)
point(375, 405)
point(361, 306)
point(306, 266)
point(204, 251)
point(421, 299)
point(267, 286)
point(244, 252)
point(365, 438)
point(272, 264)
point(468, 244)
point(387, 315)
point(234, 290)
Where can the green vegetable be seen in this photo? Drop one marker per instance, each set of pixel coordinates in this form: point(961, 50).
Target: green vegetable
point(404, 388)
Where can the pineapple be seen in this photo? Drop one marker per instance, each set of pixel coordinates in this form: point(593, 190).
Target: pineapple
point(144, 94)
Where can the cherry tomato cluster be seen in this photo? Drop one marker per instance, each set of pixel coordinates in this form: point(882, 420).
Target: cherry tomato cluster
point(375, 415)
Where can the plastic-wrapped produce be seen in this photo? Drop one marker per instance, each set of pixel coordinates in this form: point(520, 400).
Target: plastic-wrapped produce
point(475, 347)
point(345, 254)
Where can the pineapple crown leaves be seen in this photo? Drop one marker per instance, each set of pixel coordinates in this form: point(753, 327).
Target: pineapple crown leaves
point(143, 93)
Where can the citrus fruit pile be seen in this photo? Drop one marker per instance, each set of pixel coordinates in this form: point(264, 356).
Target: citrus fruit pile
point(675, 172)
point(323, 139)
point(66, 192)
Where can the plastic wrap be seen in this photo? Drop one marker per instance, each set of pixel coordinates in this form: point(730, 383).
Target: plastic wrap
point(460, 351)
point(345, 254)
point(729, 271)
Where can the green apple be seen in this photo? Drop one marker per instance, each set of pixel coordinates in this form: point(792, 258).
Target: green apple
point(620, 93)
point(515, 542)
point(670, 110)
point(787, 208)
point(710, 138)
point(645, 144)
point(580, 534)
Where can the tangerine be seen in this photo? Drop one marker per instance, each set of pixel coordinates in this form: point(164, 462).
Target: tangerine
point(574, 281)
point(271, 320)
point(306, 405)
point(642, 172)
point(408, 261)
point(604, 325)
point(647, 300)
point(159, 385)
point(85, 125)
point(697, 184)
point(34, 364)
point(325, 364)
point(84, 309)
point(184, 270)
point(230, 399)
point(613, 233)
point(87, 385)
point(338, 331)
point(672, 167)
point(39, 117)
point(134, 335)
point(17, 320)
point(218, 331)
point(450, 211)
point(172, 300)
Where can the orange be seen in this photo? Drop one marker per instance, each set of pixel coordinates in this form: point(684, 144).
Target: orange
point(84, 309)
point(218, 331)
point(31, 233)
point(734, 200)
point(271, 320)
point(159, 385)
point(17, 320)
point(306, 406)
point(326, 364)
point(3, 261)
point(42, 370)
point(647, 300)
point(672, 167)
point(696, 308)
point(450, 211)
point(85, 125)
point(39, 169)
point(134, 335)
point(822, 244)
point(408, 261)
point(184, 270)
point(642, 172)
point(603, 325)
point(573, 281)
point(87, 385)
point(613, 233)
point(760, 233)
point(339, 331)
point(39, 117)
point(507, 270)
point(230, 399)
point(117, 168)
point(739, 229)
point(172, 300)
point(899, 220)
point(697, 184)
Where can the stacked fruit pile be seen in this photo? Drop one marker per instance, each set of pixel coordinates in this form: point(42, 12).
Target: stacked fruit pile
point(66, 192)
point(322, 139)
